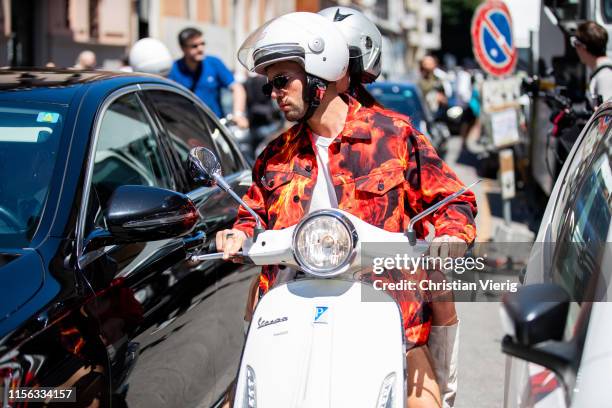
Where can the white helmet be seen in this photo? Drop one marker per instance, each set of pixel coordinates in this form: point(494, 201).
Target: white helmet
point(306, 38)
point(363, 38)
point(151, 56)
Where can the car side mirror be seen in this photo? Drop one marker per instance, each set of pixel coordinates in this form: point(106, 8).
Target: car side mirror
point(536, 313)
point(143, 213)
point(534, 319)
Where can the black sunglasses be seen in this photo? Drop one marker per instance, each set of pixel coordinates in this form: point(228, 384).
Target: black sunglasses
point(279, 82)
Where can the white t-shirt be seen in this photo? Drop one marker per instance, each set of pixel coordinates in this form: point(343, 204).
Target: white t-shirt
point(601, 84)
point(323, 195)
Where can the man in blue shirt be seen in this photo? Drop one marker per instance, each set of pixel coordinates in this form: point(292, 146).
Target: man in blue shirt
point(206, 75)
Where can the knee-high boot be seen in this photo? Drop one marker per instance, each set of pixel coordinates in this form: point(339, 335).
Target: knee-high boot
point(444, 348)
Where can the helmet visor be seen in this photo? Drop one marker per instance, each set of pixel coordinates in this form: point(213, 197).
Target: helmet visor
point(280, 39)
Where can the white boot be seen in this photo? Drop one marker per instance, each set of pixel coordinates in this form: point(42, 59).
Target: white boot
point(444, 348)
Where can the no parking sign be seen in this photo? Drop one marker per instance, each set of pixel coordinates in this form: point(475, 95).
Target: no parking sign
point(492, 39)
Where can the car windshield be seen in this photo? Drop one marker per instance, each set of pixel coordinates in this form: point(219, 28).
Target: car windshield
point(400, 99)
point(29, 141)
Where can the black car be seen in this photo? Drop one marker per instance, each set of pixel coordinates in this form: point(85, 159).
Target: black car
point(406, 98)
point(96, 224)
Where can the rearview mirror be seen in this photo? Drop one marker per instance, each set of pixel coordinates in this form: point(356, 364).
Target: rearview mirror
point(143, 213)
point(204, 166)
point(534, 319)
point(535, 313)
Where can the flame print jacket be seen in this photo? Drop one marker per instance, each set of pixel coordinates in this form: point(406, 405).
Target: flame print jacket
point(383, 172)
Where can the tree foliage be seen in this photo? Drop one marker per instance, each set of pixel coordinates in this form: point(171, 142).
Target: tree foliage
point(456, 22)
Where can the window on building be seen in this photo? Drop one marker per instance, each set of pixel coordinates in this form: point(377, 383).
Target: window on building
point(94, 21)
point(429, 25)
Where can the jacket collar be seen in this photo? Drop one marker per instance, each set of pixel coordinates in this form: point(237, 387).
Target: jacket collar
point(356, 125)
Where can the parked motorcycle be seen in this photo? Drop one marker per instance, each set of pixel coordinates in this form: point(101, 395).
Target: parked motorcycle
point(329, 339)
point(567, 118)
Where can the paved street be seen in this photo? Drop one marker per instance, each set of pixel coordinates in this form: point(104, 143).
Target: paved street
point(481, 363)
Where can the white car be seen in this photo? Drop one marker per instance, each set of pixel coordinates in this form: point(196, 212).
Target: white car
point(559, 325)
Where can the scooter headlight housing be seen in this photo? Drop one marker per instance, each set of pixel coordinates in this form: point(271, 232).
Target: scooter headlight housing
point(324, 243)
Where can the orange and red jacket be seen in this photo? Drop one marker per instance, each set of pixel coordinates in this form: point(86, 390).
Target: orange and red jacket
point(383, 172)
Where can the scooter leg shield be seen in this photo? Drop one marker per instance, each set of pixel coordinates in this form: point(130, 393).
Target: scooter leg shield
point(323, 343)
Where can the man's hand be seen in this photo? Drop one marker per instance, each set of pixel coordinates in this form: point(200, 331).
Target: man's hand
point(241, 121)
point(447, 246)
point(229, 242)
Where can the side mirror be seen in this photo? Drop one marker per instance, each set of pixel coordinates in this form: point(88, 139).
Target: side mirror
point(204, 166)
point(536, 313)
point(534, 320)
point(143, 213)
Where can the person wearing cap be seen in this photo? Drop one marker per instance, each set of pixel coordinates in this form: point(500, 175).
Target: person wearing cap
point(342, 154)
point(205, 75)
point(365, 48)
point(590, 42)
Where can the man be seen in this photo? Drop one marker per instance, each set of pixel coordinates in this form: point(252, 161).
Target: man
point(365, 48)
point(432, 85)
point(205, 75)
point(590, 43)
point(344, 155)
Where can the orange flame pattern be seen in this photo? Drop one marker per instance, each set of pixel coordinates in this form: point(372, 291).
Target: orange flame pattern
point(383, 171)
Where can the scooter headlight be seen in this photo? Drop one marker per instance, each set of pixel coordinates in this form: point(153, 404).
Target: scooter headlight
point(324, 242)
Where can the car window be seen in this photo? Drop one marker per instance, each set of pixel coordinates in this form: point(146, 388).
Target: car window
point(227, 155)
point(581, 243)
point(127, 153)
point(188, 126)
point(581, 160)
point(578, 261)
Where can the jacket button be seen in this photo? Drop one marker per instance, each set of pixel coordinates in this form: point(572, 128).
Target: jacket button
point(270, 183)
point(381, 186)
point(296, 199)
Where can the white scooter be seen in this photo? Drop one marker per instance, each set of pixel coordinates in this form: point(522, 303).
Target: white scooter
point(328, 340)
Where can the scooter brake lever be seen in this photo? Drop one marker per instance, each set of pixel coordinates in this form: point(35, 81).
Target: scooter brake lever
point(216, 255)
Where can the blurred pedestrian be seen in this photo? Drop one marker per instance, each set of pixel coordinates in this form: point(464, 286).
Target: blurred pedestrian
point(125, 64)
point(205, 75)
point(432, 86)
point(86, 60)
point(590, 42)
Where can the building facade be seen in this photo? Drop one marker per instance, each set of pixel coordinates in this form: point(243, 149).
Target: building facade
point(410, 28)
point(36, 32)
point(424, 28)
